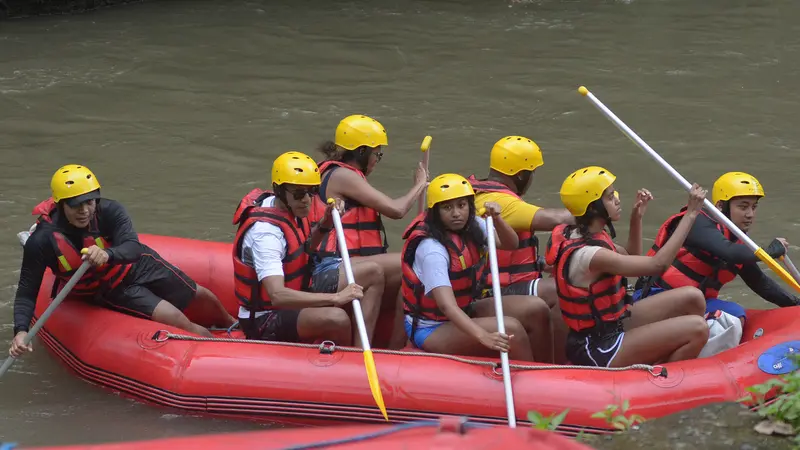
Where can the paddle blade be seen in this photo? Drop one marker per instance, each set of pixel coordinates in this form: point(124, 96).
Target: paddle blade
point(763, 256)
point(372, 376)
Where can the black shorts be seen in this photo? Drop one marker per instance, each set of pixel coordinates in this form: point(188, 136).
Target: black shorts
point(150, 280)
point(586, 349)
point(276, 325)
point(521, 288)
point(281, 324)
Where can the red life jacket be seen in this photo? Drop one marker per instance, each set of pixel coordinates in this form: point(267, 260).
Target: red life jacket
point(692, 266)
point(598, 308)
point(296, 270)
point(517, 265)
point(69, 257)
point(467, 266)
point(362, 226)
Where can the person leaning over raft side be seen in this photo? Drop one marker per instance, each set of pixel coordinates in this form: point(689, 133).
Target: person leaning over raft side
point(590, 271)
point(127, 276)
point(280, 300)
point(712, 255)
point(512, 164)
point(444, 258)
point(350, 159)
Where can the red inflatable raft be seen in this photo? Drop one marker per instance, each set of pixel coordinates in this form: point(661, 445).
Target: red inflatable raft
point(321, 384)
point(449, 434)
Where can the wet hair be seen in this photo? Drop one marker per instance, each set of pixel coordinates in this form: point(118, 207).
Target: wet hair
point(358, 157)
point(470, 233)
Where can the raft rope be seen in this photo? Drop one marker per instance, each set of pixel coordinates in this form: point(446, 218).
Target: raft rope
point(328, 347)
point(377, 434)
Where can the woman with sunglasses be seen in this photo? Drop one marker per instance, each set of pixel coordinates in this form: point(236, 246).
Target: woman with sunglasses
point(280, 299)
point(350, 159)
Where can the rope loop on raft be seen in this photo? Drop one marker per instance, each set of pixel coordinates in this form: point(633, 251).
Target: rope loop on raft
point(329, 347)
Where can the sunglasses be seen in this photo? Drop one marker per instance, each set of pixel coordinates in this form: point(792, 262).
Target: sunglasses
point(379, 155)
point(300, 194)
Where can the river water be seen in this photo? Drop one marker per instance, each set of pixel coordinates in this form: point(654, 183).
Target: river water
point(180, 107)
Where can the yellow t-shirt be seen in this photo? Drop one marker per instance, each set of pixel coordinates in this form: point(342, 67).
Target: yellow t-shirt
point(515, 212)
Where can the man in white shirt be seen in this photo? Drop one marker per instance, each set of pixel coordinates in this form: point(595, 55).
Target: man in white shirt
point(280, 299)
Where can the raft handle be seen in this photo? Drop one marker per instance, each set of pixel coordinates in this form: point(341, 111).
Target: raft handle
point(327, 347)
point(161, 336)
point(658, 371)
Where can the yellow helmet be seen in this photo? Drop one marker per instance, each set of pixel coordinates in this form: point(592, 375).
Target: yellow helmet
point(76, 183)
point(735, 184)
point(295, 168)
point(357, 130)
point(583, 187)
point(447, 187)
point(514, 153)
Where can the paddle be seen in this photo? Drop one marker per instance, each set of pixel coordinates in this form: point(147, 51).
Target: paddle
point(759, 252)
point(53, 305)
point(791, 267)
point(426, 145)
point(369, 362)
point(501, 326)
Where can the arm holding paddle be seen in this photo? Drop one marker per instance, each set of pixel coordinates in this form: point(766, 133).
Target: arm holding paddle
point(639, 266)
point(446, 301)
point(766, 287)
point(326, 224)
point(505, 235)
point(352, 186)
point(23, 343)
point(718, 215)
point(34, 263)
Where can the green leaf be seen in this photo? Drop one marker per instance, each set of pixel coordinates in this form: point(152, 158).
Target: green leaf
point(556, 421)
point(626, 405)
point(599, 415)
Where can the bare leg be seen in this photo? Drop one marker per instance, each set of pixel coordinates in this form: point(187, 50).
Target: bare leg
point(534, 315)
point(391, 299)
point(328, 323)
point(450, 339)
point(676, 302)
point(675, 339)
point(370, 276)
point(206, 304)
point(166, 313)
point(546, 290)
point(668, 326)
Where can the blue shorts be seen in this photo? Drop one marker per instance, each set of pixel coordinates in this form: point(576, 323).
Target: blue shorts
point(712, 304)
point(327, 263)
point(422, 332)
point(325, 276)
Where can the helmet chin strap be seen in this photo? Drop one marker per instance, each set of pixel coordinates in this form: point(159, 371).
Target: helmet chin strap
point(597, 209)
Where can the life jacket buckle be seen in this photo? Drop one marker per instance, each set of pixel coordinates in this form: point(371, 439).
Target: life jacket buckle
point(327, 347)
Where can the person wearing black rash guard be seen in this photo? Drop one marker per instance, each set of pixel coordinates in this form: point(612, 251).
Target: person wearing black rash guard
point(126, 275)
point(712, 255)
